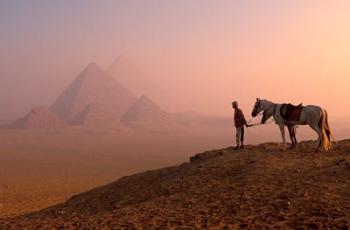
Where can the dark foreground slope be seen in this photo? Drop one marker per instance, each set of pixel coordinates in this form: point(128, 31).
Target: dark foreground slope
point(258, 187)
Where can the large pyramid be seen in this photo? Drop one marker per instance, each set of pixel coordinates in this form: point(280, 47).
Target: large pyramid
point(93, 85)
point(145, 110)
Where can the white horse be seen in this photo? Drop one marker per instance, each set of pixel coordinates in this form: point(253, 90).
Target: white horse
point(311, 115)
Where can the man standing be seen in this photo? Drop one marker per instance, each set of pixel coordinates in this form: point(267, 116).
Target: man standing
point(240, 122)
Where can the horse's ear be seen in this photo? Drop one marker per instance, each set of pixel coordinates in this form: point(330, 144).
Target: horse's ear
point(257, 99)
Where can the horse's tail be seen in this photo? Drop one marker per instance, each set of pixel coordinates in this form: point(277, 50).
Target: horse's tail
point(326, 132)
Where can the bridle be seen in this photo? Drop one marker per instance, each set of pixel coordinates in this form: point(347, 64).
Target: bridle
point(256, 107)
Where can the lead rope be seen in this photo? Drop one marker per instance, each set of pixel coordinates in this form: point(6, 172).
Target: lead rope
point(266, 123)
point(250, 120)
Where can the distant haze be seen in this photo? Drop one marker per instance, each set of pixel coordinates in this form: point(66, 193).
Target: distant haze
point(190, 55)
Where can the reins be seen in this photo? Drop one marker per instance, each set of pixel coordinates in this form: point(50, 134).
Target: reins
point(256, 124)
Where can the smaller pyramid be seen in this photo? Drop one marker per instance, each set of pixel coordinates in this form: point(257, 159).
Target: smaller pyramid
point(97, 115)
point(145, 110)
point(39, 118)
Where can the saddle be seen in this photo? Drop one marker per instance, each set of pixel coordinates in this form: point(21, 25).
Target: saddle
point(291, 112)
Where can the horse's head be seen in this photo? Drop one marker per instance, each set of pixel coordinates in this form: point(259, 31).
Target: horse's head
point(257, 108)
point(262, 106)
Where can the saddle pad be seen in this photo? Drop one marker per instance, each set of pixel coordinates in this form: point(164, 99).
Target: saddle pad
point(295, 115)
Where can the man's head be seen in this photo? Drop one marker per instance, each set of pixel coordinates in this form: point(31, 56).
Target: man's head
point(234, 104)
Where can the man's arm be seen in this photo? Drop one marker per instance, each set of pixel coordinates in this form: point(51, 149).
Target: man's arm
point(243, 119)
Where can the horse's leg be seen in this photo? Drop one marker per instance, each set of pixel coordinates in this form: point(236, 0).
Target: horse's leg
point(318, 130)
point(295, 136)
point(283, 135)
point(291, 135)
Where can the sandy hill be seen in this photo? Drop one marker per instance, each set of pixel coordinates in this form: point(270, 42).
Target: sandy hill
point(260, 187)
point(93, 85)
point(39, 118)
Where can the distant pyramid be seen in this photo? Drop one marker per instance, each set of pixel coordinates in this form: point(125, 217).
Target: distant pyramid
point(93, 85)
point(144, 110)
point(39, 118)
point(97, 115)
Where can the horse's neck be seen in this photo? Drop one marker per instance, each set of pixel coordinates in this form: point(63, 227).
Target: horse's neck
point(269, 104)
point(275, 106)
point(277, 115)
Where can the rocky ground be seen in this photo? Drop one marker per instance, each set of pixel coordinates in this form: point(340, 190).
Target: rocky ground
point(259, 187)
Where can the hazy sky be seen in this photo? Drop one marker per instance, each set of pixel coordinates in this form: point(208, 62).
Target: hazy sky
point(201, 54)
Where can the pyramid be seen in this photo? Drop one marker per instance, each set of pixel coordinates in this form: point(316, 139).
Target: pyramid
point(93, 85)
point(39, 118)
point(96, 115)
point(145, 110)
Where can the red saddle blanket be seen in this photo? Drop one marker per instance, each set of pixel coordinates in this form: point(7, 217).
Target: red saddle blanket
point(295, 114)
point(291, 112)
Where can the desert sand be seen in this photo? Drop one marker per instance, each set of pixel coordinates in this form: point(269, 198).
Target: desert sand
point(259, 187)
point(39, 168)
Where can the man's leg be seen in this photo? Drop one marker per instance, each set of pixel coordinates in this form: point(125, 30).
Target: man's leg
point(242, 137)
point(238, 136)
